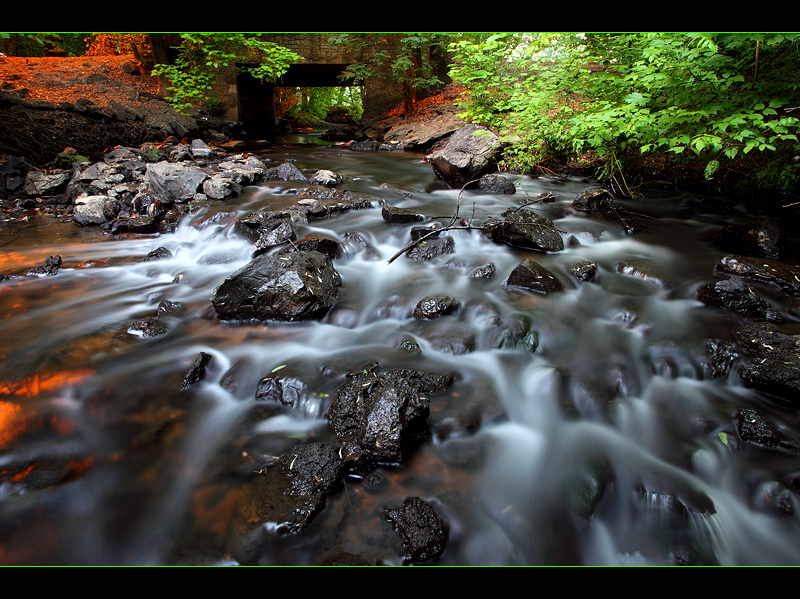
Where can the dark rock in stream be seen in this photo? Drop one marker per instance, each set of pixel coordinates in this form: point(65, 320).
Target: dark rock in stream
point(762, 238)
point(197, 371)
point(160, 253)
point(148, 327)
point(783, 276)
point(583, 270)
point(431, 248)
point(774, 360)
point(466, 157)
point(423, 533)
point(286, 287)
point(525, 229)
point(433, 306)
point(487, 271)
point(600, 203)
point(401, 216)
point(754, 427)
point(735, 295)
point(378, 417)
point(286, 498)
point(316, 243)
point(496, 184)
point(48, 268)
point(533, 276)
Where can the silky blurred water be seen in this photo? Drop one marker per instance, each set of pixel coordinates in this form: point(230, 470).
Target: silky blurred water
point(592, 441)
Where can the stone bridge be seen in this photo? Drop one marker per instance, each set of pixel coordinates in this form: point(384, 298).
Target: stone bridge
point(252, 102)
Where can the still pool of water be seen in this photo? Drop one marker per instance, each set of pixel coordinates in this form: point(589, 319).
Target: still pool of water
point(581, 427)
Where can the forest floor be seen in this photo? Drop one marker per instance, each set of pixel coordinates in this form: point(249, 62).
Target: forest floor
point(99, 79)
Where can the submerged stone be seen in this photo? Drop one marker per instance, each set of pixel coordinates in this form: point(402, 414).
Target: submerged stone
point(423, 533)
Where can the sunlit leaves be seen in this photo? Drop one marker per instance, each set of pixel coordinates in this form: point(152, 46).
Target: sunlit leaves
point(715, 97)
point(192, 73)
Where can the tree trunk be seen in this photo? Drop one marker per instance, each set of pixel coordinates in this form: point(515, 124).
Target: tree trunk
point(158, 47)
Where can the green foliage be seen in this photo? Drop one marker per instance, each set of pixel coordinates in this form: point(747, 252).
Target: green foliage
point(720, 98)
point(44, 43)
point(408, 59)
point(311, 104)
point(192, 73)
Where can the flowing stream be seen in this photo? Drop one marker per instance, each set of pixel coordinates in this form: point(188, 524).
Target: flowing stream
point(581, 427)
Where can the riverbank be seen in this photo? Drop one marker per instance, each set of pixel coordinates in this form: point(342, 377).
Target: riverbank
point(92, 103)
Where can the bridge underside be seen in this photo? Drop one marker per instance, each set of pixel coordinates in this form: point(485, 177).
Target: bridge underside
point(256, 100)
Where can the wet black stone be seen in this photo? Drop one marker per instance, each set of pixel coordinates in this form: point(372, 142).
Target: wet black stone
point(49, 267)
point(584, 270)
point(754, 427)
point(379, 417)
point(401, 216)
point(160, 253)
point(294, 286)
point(783, 276)
point(149, 327)
point(772, 364)
point(197, 371)
point(431, 248)
point(523, 228)
point(764, 238)
point(434, 306)
point(423, 533)
point(735, 295)
point(534, 277)
point(487, 271)
point(287, 496)
point(593, 200)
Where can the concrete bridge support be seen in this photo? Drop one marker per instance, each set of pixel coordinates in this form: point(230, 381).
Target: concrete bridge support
point(243, 98)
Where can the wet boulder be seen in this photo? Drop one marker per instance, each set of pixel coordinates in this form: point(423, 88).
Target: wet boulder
point(783, 276)
point(599, 203)
point(593, 201)
point(266, 228)
point(293, 286)
point(170, 182)
point(763, 238)
point(532, 276)
point(466, 157)
point(429, 249)
point(772, 362)
point(288, 496)
point(496, 184)
point(583, 270)
point(94, 210)
point(326, 178)
point(317, 243)
point(486, 271)
point(48, 268)
point(433, 306)
point(160, 253)
point(754, 427)
point(421, 530)
point(377, 418)
point(401, 216)
point(735, 295)
point(525, 229)
point(197, 370)
point(284, 172)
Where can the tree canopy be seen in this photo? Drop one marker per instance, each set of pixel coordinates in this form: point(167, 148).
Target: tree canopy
point(726, 100)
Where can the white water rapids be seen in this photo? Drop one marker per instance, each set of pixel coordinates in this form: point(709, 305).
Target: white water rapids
point(612, 408)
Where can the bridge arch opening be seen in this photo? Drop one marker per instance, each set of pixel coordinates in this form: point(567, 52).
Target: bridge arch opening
point(257, 107)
